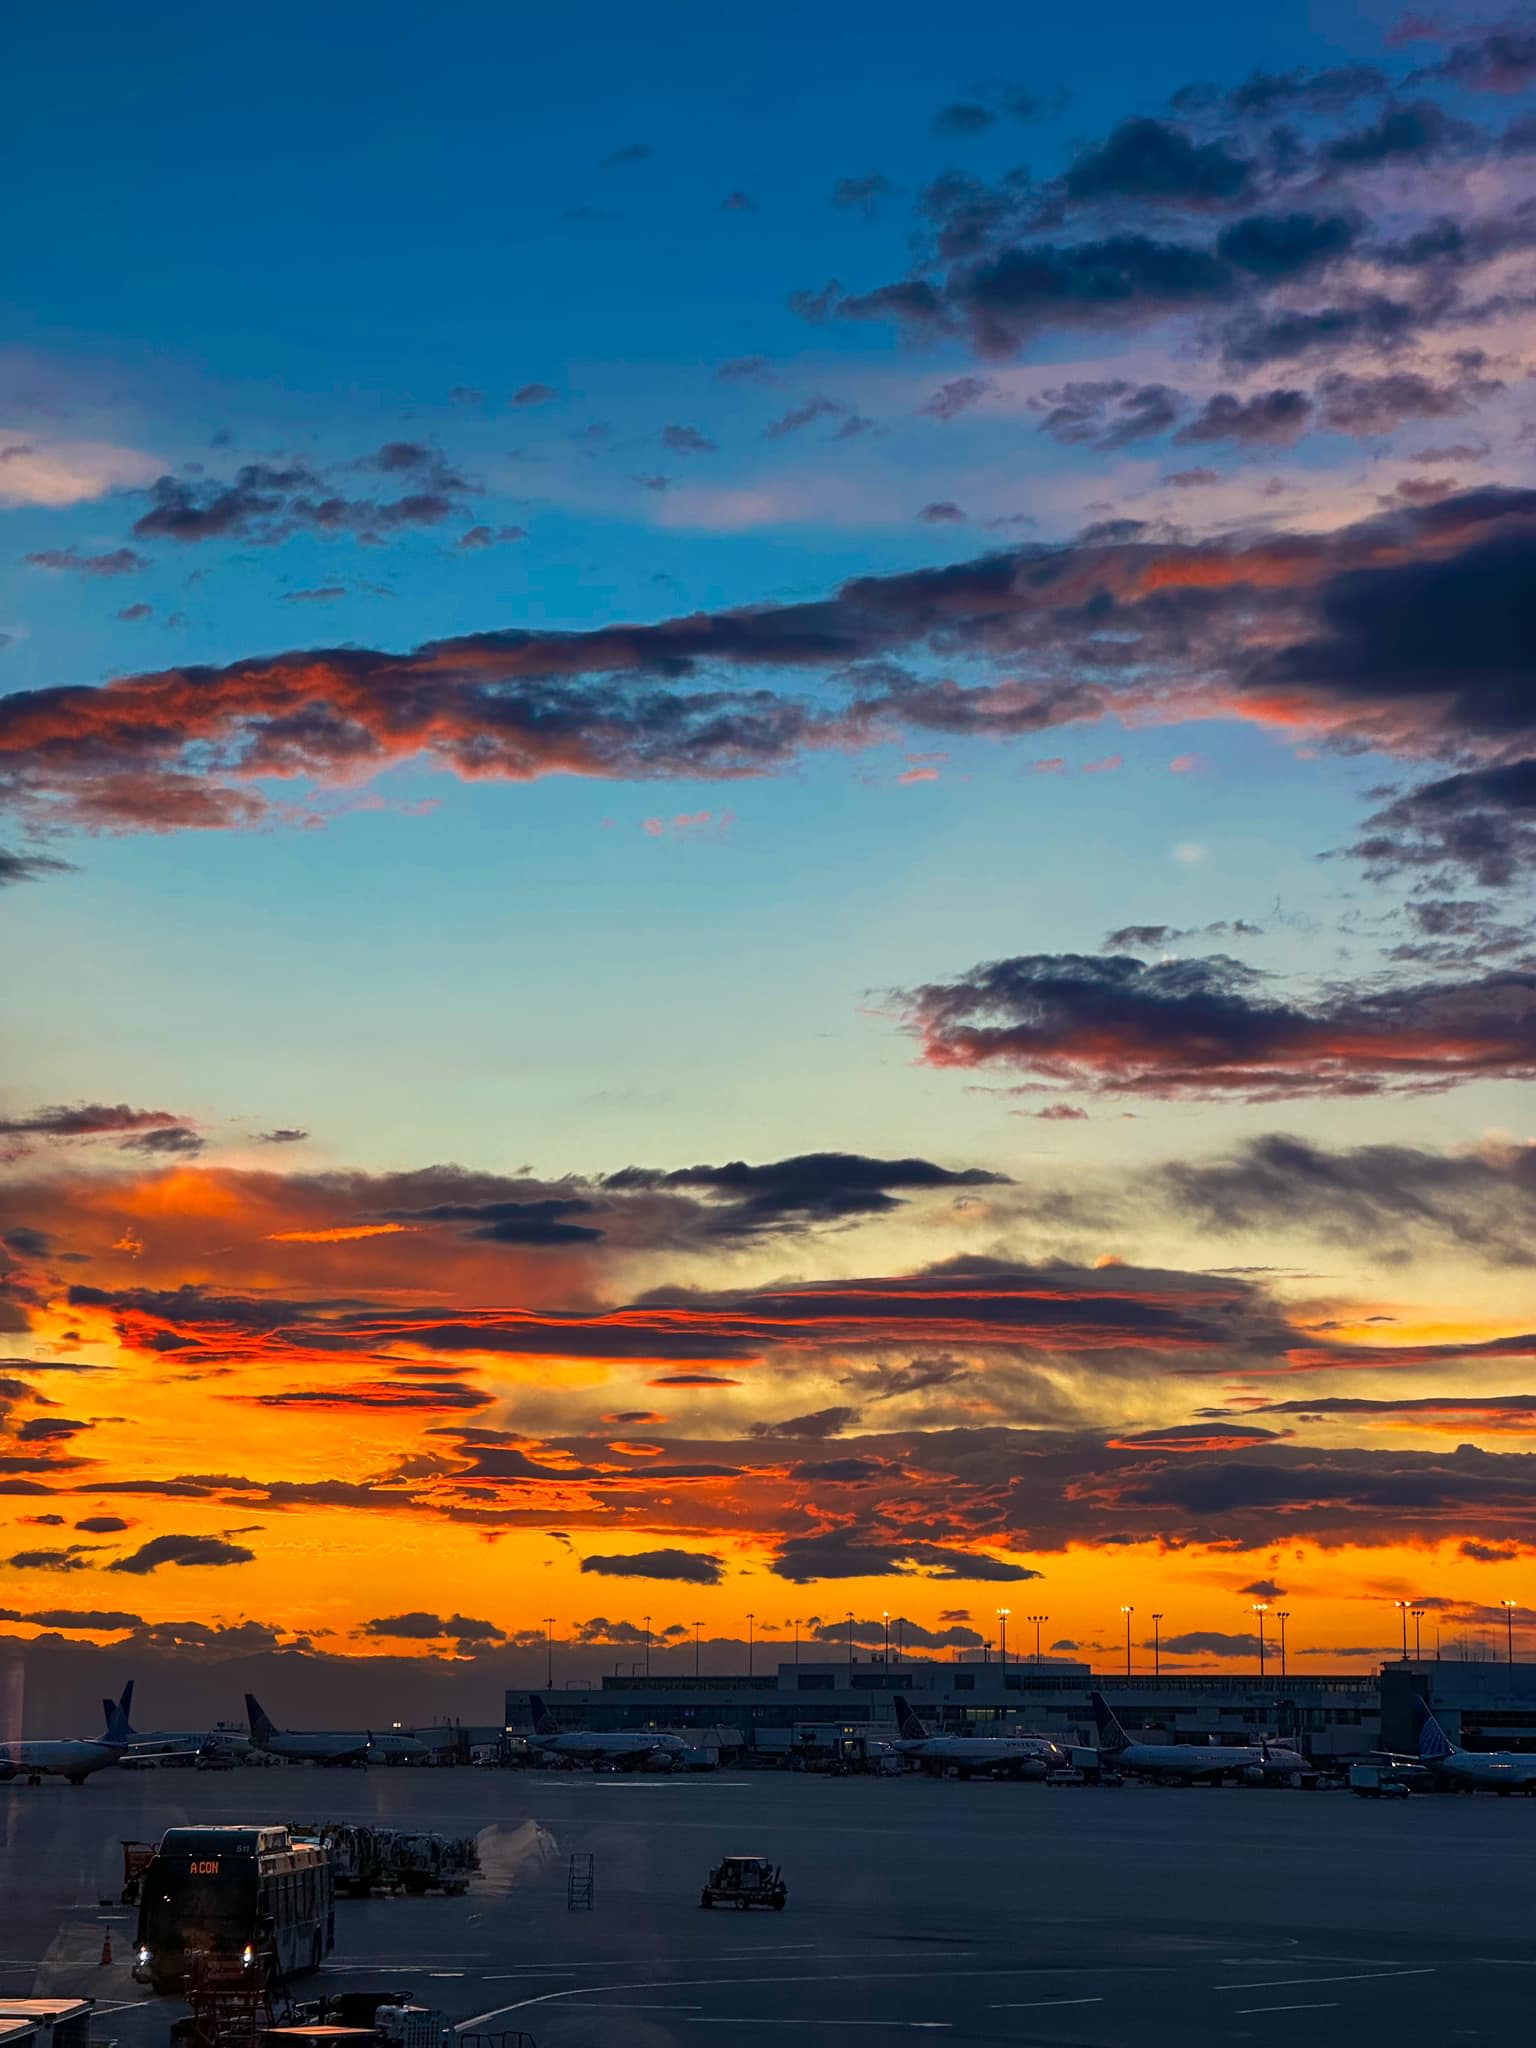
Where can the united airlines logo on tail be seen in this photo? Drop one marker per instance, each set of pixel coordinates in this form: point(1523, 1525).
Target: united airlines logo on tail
point(1434, 1744)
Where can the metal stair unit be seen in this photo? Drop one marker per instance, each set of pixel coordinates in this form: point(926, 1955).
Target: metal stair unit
point(581, 1882)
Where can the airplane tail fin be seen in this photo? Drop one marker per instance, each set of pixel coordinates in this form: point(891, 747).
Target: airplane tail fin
point(908, 1725)
point(1434, 1744)
point(119, 1728)
point(260, 1725)
point(544, 1722)
point(1111, 1735)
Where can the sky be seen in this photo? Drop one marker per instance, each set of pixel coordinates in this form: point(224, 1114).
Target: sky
point(767, 800)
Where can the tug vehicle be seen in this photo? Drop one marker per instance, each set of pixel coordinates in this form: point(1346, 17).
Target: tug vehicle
point(744, 1881)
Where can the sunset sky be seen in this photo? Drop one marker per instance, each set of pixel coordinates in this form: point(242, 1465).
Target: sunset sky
point(767, 803)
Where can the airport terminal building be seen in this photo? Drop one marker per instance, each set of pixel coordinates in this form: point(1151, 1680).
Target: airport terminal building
point(1326, 1717)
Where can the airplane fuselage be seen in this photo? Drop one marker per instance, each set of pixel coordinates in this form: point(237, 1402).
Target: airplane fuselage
point(72, 1760)
point(590, 1747)
point(1492, 1770)
point(1185, 1760)
point(980, 1752)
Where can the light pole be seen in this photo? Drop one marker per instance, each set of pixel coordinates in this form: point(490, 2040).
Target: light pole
point(1509, 1607)
point(1127, 1612)
point(1261, 1608)
point(1418, 1616)
point(751, 1652)
point(850, 1646)
point(1402, 1607)
point(901, 1643)
point(696, 1627)
point(1037, 1619)
point(1002, 1647)
point(797, 1641)
point(1282, 1615)
point(885, 1615)
point(549, 1648)
point(1157, 1646)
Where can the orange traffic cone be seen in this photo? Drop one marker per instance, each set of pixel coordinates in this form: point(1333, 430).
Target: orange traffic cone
point(106, 1947)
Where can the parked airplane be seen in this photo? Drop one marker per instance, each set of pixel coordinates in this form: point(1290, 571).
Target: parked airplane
point(1016, 1756)
point(590, 1746)
point(1185, 1763)
point(72, 1760)
point(320, 1747)
point(1500, 1770)
point(160, 1743)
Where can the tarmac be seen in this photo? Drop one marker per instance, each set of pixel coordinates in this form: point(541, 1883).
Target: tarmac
point(1082, 1917)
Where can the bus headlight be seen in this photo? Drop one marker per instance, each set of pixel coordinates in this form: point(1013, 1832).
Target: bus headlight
point(247, 1955)
point(142, 1958)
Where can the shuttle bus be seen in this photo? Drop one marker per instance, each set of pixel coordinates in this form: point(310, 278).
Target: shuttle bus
point(239, 1893)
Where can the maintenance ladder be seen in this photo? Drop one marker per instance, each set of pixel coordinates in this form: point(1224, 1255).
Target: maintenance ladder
point(580, 1882)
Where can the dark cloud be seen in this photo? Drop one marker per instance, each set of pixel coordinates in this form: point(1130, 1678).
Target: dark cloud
point(104, 1620)
point(1269, 418)
point(284, 1134)
point(1417, 132)
point(1390, 1198)
point(1266, 94)
point(1209, 1028)
point(90, 1120)
point(805, 415)
point(267, 502)
point(804, 1559)
point(30, 867)
point(386, 1396)
point(119, 562)
point(1149, 159)
point(1406, 631)
point(822, 1423)
point(942, 512)
point(1481, 820)
point(1108, 413)
point(475, 538)
point(631, 153)
point(862, 195)
point(685, 440)
point(1209, 1642)
point(963, 117)
point(1279, 246)
point(175, 1140)
point(1263, 1589)
point(419, 1627)
point(688, 1567)
point(534, 394)
point(1502, 60)
point(522, 1223)
point(1378, 404)
point(77, 1558)
point(182, 1550)
point(812, 1188)
point(955, 397)
point(103, 1525)
point(898, 1630)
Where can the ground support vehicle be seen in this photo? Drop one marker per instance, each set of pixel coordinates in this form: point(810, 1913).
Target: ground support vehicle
point(745, 1881)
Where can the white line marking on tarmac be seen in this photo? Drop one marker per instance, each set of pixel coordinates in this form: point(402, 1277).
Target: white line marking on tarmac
point(1356, 1977)
point(1036, 2004)
point(1327, 2005)
point(735, 2020)
point(874, 1976)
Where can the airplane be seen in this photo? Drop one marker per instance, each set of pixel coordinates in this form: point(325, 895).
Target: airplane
point(1179, 1763)
point(592, 1747)
point(72, 1760)
point(326, 1746)
point(1501, 1770)
point(1017, 1756)
point(322, 1747)
point(166, 1744)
